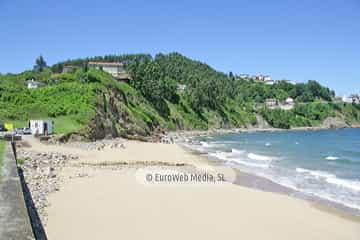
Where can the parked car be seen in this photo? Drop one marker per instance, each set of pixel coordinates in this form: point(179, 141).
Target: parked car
point(27, 131)
point(2, 128)
point(23, 131)
point(19, 131)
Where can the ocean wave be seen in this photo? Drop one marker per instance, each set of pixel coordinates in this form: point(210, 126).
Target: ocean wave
point(223, 155)
point(258, 157)
point(236, 151)
point(323, 193)
point(220, 155)
point(316, 174)
point(332, 197)
point(205, 144)
point(249, 164)
point(234, 157)
point(267, 144)
point(350, 184)
point(331, 178)
point(331, 158)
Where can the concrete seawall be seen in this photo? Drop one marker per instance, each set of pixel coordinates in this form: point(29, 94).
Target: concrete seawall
point(14, 218)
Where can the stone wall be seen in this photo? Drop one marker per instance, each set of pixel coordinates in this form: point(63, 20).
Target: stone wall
point(14, 217)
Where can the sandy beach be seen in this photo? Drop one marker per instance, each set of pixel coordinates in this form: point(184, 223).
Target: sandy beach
point(113, 202)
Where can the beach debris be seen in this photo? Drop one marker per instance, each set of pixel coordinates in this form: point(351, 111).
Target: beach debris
point(41, 174)
point(99, 145)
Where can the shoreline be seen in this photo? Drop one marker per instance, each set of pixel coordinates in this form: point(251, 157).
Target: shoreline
point(254, 181)
point(196, 133)
point(261, 182)
point(100, 186)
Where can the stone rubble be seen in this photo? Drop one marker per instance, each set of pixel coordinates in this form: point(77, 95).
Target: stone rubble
point(42, 170)
point(41, 173)
point(97, 145)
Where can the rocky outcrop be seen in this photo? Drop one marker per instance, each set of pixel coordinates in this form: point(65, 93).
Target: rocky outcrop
point(261, 123)
point(114, 119)
point(41, 174)
point(334, 122)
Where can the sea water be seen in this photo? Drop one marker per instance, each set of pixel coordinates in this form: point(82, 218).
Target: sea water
point(323, 164)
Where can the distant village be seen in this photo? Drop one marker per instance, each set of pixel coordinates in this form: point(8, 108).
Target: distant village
point(289, 102)
point(262, 78)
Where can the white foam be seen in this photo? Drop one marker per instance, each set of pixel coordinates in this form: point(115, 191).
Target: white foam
point(220, 155)
point(316, 174)
point(353, 185)
point(254, 156)
point(321, 194)
point(236, 151)
point(234, 156)
point(249, 164)
point(322, 184)
point(331, 178)
point(204, 144)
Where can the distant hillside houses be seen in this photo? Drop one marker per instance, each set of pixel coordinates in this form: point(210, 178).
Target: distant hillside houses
point(181, 87)
point(353, 98)
point(32, 84)
point(116, 69)
point(69, 69)
point(244, 76)
point(272, 103)
point(263, 78)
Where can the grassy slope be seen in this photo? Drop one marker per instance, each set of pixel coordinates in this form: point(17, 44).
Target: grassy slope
point(72, 104)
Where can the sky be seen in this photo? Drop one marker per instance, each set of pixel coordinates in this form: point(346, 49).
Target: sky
point(286, 39)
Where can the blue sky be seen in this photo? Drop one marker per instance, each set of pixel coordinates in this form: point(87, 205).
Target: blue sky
point(297, 40)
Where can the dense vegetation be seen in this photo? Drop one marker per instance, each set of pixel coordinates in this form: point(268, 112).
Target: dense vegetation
point(151, 101)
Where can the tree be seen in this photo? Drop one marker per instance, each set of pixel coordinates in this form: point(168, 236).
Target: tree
point(40, 64)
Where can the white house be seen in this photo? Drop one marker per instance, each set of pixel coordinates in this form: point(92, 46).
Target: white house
point(116, 69)
point(269, 82)
point(267, 78)
point(31, 84)
point(181, 87)
point(289, 101)
point(346, 99)
point(259, 77)
point(355, 98)
point(69, 69)
point(271, 102)
point(41, 127)
point(244, 76)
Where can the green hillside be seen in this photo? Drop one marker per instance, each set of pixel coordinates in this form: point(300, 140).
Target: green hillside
point(93, 104)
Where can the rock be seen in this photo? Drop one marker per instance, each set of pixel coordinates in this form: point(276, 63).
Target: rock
point(334, 122)
point(41, 175)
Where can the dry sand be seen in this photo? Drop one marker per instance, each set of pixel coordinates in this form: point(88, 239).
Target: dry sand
point(114, 204)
